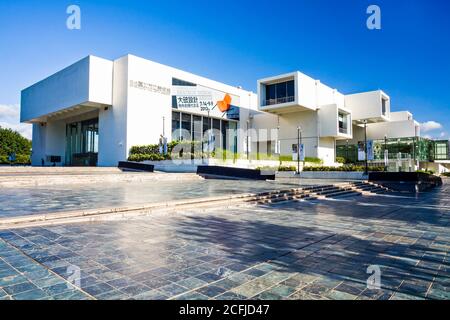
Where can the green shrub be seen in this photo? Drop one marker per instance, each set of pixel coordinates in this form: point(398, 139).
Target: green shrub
point(20, 159)
point(266, 168)
point(446, 174)
point(425, 171)
point(13, 142)
point(313, 160)
point(287, 168)
point(340, 160)
point(152, 148)
point(346, 168)
point(146, 157)
point(286, 158)
point(3, 159)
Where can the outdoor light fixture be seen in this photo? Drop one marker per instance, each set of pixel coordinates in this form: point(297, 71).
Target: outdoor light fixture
point(366, 170)
point(248, 147)
point(386, 154)
point(299, 139)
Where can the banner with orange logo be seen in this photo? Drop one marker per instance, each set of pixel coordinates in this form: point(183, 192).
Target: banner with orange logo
point(198, 99)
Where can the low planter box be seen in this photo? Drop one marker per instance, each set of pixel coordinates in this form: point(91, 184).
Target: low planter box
point(136, 166)
point(333, 175)
point(406, 181)
point(235, 173)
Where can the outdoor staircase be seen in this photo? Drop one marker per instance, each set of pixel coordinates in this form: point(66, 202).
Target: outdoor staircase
point(333, 191)
point(368, 188)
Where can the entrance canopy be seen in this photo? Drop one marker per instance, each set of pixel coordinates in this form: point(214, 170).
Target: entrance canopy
point(79, 88)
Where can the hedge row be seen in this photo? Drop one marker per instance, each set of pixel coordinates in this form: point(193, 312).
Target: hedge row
point(20, 159)
point(352, 168)
point(147, 157)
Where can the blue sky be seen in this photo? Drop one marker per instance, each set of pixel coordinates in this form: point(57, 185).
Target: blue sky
point(237, 42)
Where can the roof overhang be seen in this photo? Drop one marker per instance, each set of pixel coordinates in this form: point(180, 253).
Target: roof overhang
point(68, 112)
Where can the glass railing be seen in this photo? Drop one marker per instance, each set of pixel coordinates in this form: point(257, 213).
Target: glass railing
point(279, 101)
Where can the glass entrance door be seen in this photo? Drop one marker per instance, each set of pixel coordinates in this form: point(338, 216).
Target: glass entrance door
point(82, 143)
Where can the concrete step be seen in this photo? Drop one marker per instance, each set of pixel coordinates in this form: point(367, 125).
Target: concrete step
point(343, 193)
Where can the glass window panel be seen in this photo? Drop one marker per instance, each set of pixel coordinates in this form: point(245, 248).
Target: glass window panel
point(197, 136)
point(281, 91)
point(175, 125)
point(186, 124)
point(270, 93)
point(224, 134)
point(291, 89)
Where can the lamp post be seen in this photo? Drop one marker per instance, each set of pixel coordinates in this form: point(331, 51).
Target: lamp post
point(386, 154)
point(366, 170)
point(248, 149)
point(299, 138)
point(278, 146)
point(346, 151)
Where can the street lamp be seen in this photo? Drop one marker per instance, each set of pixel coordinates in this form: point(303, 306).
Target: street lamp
point(248, 147)
point(299, 142)
point(278, 146)
point(346, 152)
point(386, 154)
point(366, 170)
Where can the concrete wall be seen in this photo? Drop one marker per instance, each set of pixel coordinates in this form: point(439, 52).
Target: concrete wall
point(393, 129)
point(401, 116)
point(39, 142)
point(327, 151)
point(112, 144)
point(88, 80)
point(367, 105)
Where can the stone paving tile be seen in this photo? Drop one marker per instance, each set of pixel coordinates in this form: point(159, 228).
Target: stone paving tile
point(25, 201)
point(295, 250)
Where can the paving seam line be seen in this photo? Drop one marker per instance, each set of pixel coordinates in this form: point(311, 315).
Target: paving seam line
point(42, 265)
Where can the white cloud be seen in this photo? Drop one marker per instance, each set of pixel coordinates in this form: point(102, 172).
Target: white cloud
point(10, 118)
point(430, 126)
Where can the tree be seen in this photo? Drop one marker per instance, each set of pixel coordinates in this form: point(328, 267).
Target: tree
point(13, 142)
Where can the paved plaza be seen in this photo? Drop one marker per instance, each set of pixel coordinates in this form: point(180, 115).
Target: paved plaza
point(291, 250)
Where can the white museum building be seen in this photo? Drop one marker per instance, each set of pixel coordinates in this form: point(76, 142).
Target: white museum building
point(95, 110)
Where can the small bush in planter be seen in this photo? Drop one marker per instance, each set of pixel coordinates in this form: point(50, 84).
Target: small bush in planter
point(287, 168)
point(340, 160)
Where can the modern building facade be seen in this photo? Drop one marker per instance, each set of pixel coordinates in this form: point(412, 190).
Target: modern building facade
point(94, 111)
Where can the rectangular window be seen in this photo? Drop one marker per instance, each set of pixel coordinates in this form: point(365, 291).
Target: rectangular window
point(291, 89)
point(217, 133)
point(283, 92)
point(224, 134)
point(343, 122)
point(178, 82)
point(197, 128)
point(232, 136)
point(383, 106)
point(175, 126)
point(206, 125)
point(186, 126)
point(270, 94)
